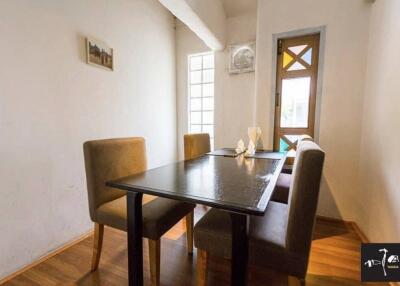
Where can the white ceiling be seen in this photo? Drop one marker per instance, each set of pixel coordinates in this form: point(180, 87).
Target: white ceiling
point(235, 8)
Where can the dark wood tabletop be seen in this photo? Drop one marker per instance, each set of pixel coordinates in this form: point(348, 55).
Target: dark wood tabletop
point(242, 186)
point(239, 184)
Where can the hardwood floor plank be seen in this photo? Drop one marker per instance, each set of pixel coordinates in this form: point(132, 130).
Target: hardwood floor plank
point(334, 261)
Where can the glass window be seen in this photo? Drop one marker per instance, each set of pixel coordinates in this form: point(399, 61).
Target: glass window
point(295, 102)
point(201, 94)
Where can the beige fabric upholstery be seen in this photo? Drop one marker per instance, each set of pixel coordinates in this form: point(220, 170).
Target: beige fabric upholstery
point(159, 215)
point(196, 145)
point(114, 158)
point(282, 238)
point(111, 159)
point(303, 196)
point(281, 192)
point(304, 137)
point(213, 232)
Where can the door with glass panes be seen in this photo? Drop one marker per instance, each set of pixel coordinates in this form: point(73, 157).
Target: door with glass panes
point(296, 88)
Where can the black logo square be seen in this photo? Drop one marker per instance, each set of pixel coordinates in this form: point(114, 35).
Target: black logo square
point(380, 262)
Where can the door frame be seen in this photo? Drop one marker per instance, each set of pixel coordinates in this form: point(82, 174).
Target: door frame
point(291, 34)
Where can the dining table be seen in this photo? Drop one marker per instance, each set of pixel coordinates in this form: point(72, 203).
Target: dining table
point(239, 184)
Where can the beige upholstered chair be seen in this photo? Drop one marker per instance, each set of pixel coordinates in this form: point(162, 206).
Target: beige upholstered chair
point(281, 192)
point(281, 239)
point(196, 145)
point(113, 158)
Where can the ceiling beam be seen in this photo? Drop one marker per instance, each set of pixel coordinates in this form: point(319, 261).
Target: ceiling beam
point(206, 18)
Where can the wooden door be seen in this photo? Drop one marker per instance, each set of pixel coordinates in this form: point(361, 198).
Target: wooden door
point(296, 88)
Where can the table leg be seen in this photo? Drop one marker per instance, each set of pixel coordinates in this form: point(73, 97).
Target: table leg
point(135, 242)
point(240, 249)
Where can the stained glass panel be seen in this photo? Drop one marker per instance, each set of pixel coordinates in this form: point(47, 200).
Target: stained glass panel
point(297, 49)
point(282, 145)
point(307, 57)
point(296, 67)
point(286, 59)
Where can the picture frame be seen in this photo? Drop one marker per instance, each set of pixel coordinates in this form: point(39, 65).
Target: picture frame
point(242, 58)
point(99, 54)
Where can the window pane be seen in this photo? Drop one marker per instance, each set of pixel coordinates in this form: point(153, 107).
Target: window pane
point(208, 62)
point(209, 129)
point(195, 63)
point(195, 77)
point(297, 49)
point(292, 138)
point(208, 103)
point(295, 102)
point(195, 117)
point(195, 104)
point(195, 90)
point(208, 117)
point(208, 89)
point(307, 57)
point(208, 76)
point(287, 59)
point(283, 146)
point(201, 94)
point(195, 128)
point(296, 67)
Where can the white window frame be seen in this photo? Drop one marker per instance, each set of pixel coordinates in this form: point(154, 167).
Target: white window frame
point(201, 84)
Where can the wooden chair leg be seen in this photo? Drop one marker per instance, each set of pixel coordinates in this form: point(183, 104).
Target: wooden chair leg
point(202, 258)
point(154, 255)
point(294, 281)
point(189, 231)
point(97, 245)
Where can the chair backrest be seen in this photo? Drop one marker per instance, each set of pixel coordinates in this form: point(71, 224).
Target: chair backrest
point(303, 197)
point(304, 137)
point(107, 160)
point(196, 145)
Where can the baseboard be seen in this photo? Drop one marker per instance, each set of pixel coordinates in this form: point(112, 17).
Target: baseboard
point(351, 224)
point(47, 256)
point(360, 233)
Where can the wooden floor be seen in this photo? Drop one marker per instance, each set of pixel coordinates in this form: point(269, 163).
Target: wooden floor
point(335, 260)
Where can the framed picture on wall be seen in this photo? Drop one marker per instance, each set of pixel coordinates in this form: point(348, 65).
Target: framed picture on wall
point(242, 58)
point(99, 54)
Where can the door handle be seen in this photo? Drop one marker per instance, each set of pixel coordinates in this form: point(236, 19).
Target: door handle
point(277, 99)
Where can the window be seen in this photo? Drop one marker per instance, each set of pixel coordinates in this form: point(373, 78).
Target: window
point(201, 94)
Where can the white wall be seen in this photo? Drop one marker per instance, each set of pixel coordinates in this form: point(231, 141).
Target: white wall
point(379, 214)
point(342, 91)
point(234, 94)
point(51, 101)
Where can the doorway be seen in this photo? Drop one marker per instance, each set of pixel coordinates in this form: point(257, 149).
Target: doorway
point(296, 88)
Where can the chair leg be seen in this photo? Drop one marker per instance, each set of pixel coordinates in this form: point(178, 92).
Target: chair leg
point(97, 245)
point(154, 254)
point(189, 231)
point(294, 281)
point(202, 258)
